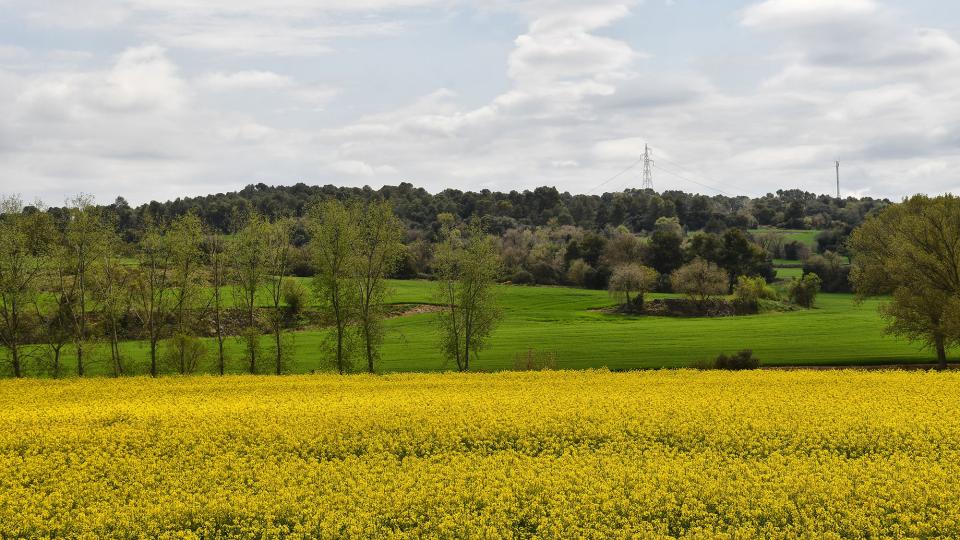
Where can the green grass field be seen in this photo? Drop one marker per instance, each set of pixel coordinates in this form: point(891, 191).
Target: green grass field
point(565, 320)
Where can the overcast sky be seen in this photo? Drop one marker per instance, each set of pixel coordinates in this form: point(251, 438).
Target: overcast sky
point(154, 99)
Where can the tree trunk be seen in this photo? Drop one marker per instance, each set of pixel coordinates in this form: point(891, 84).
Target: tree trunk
point(80, 359)
point(56, 363)
point(369, 352)
point(466, 348)
point(941, 353)
point(220, 350)
point(15, 357)
point(279, 350)
point(153, 357)
point(339, 347)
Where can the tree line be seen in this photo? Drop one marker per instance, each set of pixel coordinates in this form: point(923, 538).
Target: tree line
point(68, 281)
point(635, 209)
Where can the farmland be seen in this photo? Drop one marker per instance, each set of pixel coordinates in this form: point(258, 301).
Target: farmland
point(667, 453)
point(568, 321)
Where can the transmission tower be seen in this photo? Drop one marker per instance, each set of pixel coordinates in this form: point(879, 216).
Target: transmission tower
point(647, 168)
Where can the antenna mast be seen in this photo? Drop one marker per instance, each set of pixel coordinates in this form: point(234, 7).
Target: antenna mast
point(838, 179)
point(647, 168)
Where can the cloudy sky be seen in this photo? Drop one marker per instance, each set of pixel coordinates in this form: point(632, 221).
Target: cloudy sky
point(154, 99)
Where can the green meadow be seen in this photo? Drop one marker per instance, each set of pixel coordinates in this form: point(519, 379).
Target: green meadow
point(569, 322)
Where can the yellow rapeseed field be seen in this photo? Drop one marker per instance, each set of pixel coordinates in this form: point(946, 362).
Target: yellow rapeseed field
point(550, 455)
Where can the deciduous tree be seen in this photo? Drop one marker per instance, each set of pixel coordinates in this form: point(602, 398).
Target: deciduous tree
point(466, 267)
point(277, 253)
point(378, 251)
point(632, 279)
point(334, 237)
point(249, 272)
point(911, 251)
point(150, 287)
point(22, 258)
point(87, 235)
point(699, 280)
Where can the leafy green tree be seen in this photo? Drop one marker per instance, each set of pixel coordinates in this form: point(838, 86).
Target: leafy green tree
point(466, 267)
point(632, 278)
point(22, 260)
point(86, 237)
point(664, 251)
point(278, 252)
point(378, 251)
point(623, 247)
point(911, 251)
point(249, 269)
point(216, 255)
point(55, 317)
point(113, 288)
point(803, 291)
point(334, 238)
point(741, 257)
point(184, 238)
point(151, 297)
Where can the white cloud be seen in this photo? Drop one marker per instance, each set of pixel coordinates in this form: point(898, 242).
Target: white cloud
point(245, 80)
point(790, 13)
point(230, 93)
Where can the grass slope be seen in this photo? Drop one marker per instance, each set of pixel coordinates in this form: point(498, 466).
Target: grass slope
point(837, 332)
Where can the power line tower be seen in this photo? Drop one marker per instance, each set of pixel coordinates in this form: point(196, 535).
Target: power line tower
point(647, 168)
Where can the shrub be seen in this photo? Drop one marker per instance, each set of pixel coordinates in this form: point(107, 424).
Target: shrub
point(741, 360)
point(183, 353)
point(534, 360)
point(832, 269)
point(699, 280)
point(750, 290)
point(795, 251)
point(295, 297)
point(803, 291)
point(522, 277)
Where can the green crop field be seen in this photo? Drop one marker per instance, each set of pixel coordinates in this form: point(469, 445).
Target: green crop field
point(788, 273)
point(567, 321)
point(800, 235)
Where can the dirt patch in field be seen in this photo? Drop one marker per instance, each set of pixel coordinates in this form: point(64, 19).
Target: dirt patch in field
point(405, 310)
